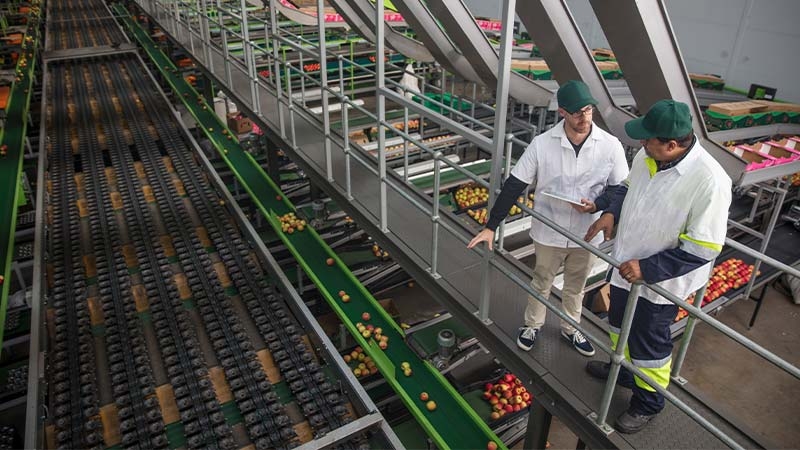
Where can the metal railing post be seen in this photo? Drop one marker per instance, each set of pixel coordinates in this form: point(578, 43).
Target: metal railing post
point(498, 140)
point(776, 212)
point(273, 19)
point(618, 356)
point(506, 172)
point(688, 332)
point(290, 97)
point(437, 162)
point(379, 84)
point(405, 144)
point(323, 76)
point(251, 60)
point(346, 133)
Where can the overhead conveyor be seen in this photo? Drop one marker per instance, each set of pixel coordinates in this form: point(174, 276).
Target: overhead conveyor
point(464, 31)
point(361, 16)
point(556, 34)
point(647, 50)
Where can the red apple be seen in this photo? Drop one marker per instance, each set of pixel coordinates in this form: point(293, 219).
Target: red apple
point(365, 316)
point(423, 396)
point(487, 395)
point(342, 293)
point(495, 415)
point(329, 261)
point(509, 408)
point(508, 378)
point(491, 445)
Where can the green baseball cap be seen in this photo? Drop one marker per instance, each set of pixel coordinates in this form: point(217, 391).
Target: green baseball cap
point(665, 119)
point(574, 95)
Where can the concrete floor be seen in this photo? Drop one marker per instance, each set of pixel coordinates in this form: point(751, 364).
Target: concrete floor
point(759, 395)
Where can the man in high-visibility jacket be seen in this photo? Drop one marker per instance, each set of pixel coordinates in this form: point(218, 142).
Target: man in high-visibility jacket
point(672, 221)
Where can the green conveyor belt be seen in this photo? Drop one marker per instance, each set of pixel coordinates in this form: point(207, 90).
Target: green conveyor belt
point(453, 424)
point(12, 139)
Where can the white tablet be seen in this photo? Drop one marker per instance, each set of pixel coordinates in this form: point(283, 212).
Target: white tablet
point(563, 198)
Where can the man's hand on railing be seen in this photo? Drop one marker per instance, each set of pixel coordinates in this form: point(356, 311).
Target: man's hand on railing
point(605, 224)
point(586, 206)
point(485, 235)
point(631, 271)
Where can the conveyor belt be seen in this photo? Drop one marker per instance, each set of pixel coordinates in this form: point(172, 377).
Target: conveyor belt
point(154, 289)
point(311, 254)
point(74, 24)
point(557, 372)
point(13, 132)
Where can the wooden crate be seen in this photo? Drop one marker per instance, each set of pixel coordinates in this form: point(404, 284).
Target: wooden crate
point(737, 108)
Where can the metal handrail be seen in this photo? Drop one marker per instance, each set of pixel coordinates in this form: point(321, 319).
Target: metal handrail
point(695, 312)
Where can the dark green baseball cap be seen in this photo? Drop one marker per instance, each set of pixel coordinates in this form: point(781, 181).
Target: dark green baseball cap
point(665, 119)
point(574, 95)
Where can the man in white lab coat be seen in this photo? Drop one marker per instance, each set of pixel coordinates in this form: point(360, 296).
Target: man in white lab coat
point(672, 214)
point(573, 160)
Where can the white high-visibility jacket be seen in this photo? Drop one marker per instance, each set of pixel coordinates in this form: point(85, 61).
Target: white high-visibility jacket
point(685, 206)
point(551, 161)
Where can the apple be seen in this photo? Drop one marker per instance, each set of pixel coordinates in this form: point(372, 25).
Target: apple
point(431, 405)
point(495, 415)
point(378, 330)
point(516, 408)
point(509, 408)
point(486, 394)
point(526, 396)
point(491, 445)
point(278, 198)
point(371, 327)
point(508, 378)
point(383, 345)
point(517, 399)
point(365, 316)
point(488, 386)
point(423, 396)
point(494, 400)
point(346, 298)
point(347, 358)
point(342, 293)
point(357, 372)
point(329, 261)
point(507, 394)
point(407, 372)
point(366, 334)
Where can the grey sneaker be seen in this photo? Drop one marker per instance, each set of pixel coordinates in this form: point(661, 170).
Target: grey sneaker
point(631, 422)
point(526, 337)
point(579, 341)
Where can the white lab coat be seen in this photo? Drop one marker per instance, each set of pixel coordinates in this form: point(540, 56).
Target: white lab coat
point(551, 161)
point(686, 205)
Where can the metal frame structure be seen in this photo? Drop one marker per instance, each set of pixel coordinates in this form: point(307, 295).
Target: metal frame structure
point(445, 234)
point(369, 417)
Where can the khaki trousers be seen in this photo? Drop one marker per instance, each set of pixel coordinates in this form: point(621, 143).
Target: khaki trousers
point(577, 264)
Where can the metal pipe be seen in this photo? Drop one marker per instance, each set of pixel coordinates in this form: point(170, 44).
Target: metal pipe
point(323, 76)
point(619, 354)
point(346, 132)
point(290, 97)
point(380, 87)
point(278, 89)
point(405, 145)
point(506, 173)
point(498, 143)
point(688, 331)
point(437, 161)
point(776, 212)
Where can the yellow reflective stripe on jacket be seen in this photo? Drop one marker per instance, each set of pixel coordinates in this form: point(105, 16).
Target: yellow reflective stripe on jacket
point(709, 245)
point(652, 167)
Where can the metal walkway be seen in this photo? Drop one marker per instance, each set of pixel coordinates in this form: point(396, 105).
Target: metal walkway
point(555, 371)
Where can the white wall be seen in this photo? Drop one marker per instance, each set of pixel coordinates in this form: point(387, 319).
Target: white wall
point(744, 41)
